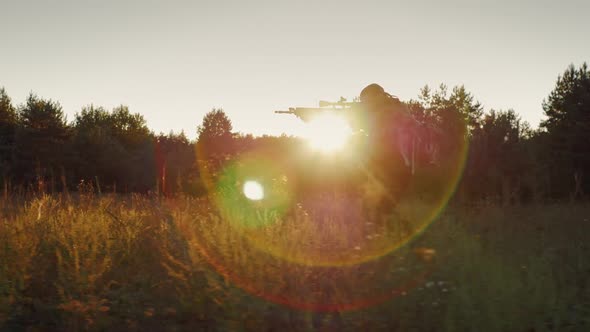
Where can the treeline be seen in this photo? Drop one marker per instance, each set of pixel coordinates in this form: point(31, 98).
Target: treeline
point(511, 162)
point(115, 150)
point(507, 160)
point(108, 151)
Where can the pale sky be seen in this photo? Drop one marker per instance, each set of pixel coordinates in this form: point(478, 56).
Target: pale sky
point(173, 61)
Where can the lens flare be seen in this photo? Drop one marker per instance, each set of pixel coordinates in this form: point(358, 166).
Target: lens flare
point(253, 190)
point(328, 133)
point(302, 226)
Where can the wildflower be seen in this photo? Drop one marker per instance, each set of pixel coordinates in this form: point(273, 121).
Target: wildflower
point(426, 254)
point(149, 312)
point(170, 311)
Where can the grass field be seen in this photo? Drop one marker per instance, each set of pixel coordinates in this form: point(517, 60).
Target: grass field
point(147, 263)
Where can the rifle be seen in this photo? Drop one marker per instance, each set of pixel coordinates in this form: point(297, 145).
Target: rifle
point(341, 107)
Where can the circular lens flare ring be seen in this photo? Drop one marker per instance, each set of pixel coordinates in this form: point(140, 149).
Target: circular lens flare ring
point(261, 221)
point(259, 241)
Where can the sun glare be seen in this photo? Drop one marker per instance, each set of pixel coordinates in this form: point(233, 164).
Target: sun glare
point(328, 133)
point(253, 190)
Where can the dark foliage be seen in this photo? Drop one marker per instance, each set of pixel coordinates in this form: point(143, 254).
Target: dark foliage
point(115, 150)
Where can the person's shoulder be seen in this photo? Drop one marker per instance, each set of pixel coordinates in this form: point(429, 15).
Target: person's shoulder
point(395, 104)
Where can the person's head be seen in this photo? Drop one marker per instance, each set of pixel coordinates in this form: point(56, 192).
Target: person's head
point(373, 95)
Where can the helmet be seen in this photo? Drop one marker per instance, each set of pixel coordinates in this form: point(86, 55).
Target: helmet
point(372, 92)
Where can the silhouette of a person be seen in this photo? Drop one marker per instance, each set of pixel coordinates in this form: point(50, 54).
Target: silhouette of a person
point(390, 122)
point(390, 128)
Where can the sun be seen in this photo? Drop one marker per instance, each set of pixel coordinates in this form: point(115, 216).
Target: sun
point(328, 133)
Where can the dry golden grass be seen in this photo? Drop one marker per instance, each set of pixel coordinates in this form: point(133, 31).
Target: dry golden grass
point(149, 263)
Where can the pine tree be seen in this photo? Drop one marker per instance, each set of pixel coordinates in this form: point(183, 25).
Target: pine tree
point(567, 109)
